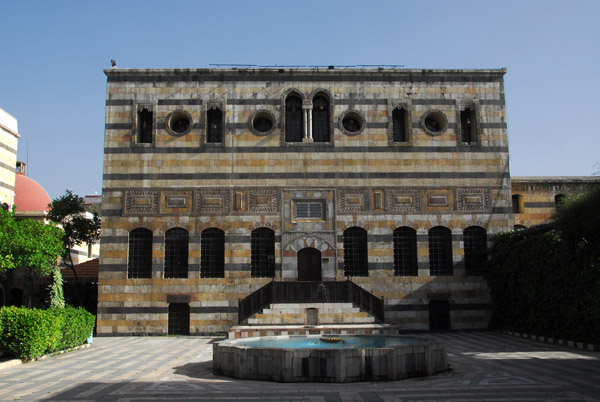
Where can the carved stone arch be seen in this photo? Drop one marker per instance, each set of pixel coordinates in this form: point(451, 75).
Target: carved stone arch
point(282, 110)
point(291, 91)
point(298, 241)
point(321, 90)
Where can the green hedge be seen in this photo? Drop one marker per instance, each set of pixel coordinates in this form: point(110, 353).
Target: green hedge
point(542, 285)
point(27, 333)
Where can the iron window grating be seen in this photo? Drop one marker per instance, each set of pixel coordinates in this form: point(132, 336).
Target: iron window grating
point(320, 116)
point(356, 252)
point(475, 248)
point(212, 257)
point(294, 120)
point(176, 253)
point(440, 251)
point(214, 132)
point(179, 319)
point(262, 249)
point(405, 252)
point(140, 254)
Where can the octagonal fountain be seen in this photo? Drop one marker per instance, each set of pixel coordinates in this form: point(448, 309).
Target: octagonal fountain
point(333, 358)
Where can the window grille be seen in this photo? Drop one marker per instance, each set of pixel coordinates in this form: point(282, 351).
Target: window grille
point(214, 132)
point(144, 119)
point(440, 251)
point(399, 125)
point(294, 121)
point(140, 254)
point(179, 319)
point(405, 252)
point(309, 210)
point(320, 116)
point(176, 253)
point(356, 258)
point(212, 257)
point(262, 247)
point(467, 125)
point(475, 240)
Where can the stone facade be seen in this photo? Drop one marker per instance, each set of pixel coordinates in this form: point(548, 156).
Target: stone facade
point(307, 154)
point(535, 198)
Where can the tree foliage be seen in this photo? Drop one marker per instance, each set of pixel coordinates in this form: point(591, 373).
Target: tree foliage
point(69, 212)
point(25, 243)
point(578, 218)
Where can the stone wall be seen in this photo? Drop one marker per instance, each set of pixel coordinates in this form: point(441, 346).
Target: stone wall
point(254, 178)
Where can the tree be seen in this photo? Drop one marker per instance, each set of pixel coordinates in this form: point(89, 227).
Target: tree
point(78, 227)
point(29, 244)
point(25, 243)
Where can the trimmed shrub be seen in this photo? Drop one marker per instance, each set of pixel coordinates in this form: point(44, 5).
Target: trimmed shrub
point(77, 328)
point(28, 333)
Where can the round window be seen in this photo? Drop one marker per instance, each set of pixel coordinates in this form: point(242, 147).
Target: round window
point(352, 122)
point(262, 122)
point(179, 123)
point(434, 123)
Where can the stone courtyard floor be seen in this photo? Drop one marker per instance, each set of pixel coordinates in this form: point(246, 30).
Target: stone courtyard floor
point(486, 366)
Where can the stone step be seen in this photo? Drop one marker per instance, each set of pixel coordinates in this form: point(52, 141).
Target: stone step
point(296, 314)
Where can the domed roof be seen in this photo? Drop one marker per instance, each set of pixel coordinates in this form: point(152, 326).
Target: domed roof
point(29, 195)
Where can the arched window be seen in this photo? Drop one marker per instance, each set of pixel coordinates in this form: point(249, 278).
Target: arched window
point(440, 251)
point(176, 253)
point(140, 254)
point(214, 129)
point(517, 204)
point(475, 239)
point(262, 260)
point(405, 252)
point(294, 120)
point(320, 119)
point(356, 260)
point(212, 253)
point(144, 125)
point(399, 127)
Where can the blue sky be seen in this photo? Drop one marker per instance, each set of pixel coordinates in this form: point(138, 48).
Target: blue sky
point(53, 54)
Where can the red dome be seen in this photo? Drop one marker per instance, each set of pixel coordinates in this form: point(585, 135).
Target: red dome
point(29, 195)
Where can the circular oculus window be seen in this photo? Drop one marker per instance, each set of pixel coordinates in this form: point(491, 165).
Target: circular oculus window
point(434, 122)
point(179, 123)
point(262, 122)
point(352, 123)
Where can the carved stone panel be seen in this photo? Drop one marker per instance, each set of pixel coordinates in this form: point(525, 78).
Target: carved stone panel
point(438, 200)
point(403, 200)
point(353, 200)
point(176, 202)
point(473, 199)
point(141, 202)
point(263, 200)
point(212, 201)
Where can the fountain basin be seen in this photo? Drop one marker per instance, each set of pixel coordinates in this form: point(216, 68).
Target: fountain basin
point(307, 359)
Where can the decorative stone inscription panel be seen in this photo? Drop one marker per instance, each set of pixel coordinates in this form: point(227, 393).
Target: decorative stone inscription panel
point(212, 201)
point(403, 200)
point(141, 202)
point(176, 202)
point(473, 199)
point(263, 200)
point(352, 200)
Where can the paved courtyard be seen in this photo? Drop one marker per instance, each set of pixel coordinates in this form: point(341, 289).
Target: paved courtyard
point(486, 366)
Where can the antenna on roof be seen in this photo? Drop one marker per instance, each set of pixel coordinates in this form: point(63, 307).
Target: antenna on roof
point(233, 65)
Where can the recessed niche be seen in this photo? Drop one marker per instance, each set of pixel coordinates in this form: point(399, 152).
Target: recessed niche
point(262, 122)
point(352, 122)
point(179, 122)
point(434, 122)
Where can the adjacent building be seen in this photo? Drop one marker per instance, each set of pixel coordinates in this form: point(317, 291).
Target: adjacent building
point(9, 141)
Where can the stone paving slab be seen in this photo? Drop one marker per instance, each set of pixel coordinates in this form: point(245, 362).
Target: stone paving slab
point(485, 366)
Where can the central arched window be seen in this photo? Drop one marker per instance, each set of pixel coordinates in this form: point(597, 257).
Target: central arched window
point(356, 257)
point(320, 119)
point(262, 259)
point(405, 252)
point(294, 121)
point(176, 253)
point(212, 253)
point(140, 254)
point(475, 239)
point(440, 251)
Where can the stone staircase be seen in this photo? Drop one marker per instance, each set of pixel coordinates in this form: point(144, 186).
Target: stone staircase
point(310, 314)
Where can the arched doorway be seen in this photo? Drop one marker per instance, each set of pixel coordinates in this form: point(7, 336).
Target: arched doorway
point(309, 264)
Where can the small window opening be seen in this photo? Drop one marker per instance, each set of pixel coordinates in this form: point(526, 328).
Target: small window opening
point(432, 124)
point(145, 126)
point(262, 124)
point(179, 122)
point(559, 199)
point(517, 204)
point(351, 124)
point(215, 126)
point(467, 124)
point(399, 125)
point(320, 115)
